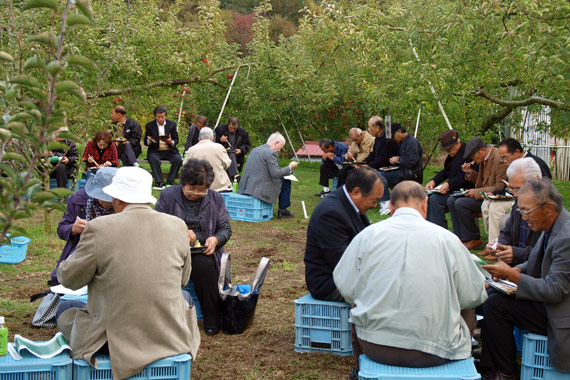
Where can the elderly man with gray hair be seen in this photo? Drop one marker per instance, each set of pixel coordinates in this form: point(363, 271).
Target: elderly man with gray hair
point(408, 292)
point(542, 301)
point(516, 238)
point(216, 155)
point(263, 178)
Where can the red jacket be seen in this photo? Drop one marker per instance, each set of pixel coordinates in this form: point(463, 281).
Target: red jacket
point(100, 156)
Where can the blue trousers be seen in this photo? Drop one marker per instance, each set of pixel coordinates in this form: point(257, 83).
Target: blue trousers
point(285, 194)
point(392, 177)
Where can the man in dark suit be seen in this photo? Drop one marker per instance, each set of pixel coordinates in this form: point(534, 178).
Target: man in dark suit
point(194, 132)
point(236, 139)
point(437, 203)
point(161, 138)
point(510, 150)
point(542, 302)
point(127, 133)
point(334, 223)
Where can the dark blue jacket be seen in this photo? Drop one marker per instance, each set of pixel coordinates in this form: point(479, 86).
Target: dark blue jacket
point(340, 150)
point(76, 206)
point(151, 129)
point(453, 173)
point(333, 225)
point(411, 159)
point(383, 149)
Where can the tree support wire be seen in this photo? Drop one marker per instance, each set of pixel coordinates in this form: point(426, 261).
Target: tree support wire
point(432, 89)
point(288, 138)
point(227, 97)
point(302, 139)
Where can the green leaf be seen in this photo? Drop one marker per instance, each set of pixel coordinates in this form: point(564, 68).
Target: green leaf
point(46, 38)
point(12, 156)
point(54, 67)
point(72, 88)
point(30, 183)
point(4, 134)
point(18, 128)
point(78, 19)
point(77, 59)
point(43, 196)
point(26, 80)
point(6, 57)
point(61, 192)
point(55, 145)
point(35, 62)
point(85, 8)
point(40, 93)
point(31, 4)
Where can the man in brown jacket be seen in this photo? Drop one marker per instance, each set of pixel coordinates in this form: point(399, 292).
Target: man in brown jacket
point(135, 264)
point(360, 148)
point(490, 177)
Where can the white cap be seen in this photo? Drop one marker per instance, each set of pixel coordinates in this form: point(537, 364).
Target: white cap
point(131, 184)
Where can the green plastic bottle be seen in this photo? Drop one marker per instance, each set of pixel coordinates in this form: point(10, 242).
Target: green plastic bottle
point(3, 338)
point(235, 186)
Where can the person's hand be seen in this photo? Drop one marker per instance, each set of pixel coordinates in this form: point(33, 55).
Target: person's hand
point(348, 157)
point(169, 141)
point(90, 159)
point(430, 185)
point(192, 237)
point(151, 139)
point(224, 138)
point(503, 271)
point(328, 156)
point(78, 226)
point(125, 142)
point(466, 167)
point(211, 243)
point(470, 193)
point(293, 164)
point(505, 253)
point(107, 163)
point(444, 188)
point(64, 160)
point(47, 153)
point(238, 151)
point(394, 160)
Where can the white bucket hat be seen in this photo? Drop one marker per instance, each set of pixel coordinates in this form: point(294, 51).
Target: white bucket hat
point(131, 184)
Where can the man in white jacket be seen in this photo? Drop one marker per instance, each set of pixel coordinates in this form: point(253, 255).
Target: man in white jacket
point(216, 155)
point(409, 280)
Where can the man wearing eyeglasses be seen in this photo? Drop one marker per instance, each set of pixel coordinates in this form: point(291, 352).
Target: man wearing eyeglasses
point(236, 141)
point(542, 301)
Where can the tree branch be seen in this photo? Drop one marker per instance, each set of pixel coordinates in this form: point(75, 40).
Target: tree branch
point(496, 118)
point(521, 103)
point(166, 83)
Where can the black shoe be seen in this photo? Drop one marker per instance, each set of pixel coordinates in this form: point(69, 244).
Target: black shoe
point(353, 375)
point(284, 214)
point(212, 330)
point(322, 194)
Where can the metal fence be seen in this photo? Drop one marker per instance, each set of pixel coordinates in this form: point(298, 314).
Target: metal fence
point(533, 135)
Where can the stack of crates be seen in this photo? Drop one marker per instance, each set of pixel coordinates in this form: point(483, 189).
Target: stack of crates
point(172, 368)
point(33, 368)
point(247, 208)
point(535, 362)
point(454, 370)
point(322, 326)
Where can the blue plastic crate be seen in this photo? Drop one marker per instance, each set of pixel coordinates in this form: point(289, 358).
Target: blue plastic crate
point(80, 184)
point(247, 208)
point(73, 297)
point(519, 339)
point(33, 368)
point(535, 362)
point(171, 368)
point(334, 183)
point(454, 370)
point(190, 289)
point(15, 252)
point(322, 326)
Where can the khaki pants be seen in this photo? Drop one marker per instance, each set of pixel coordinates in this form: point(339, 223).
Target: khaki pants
point(492, 212)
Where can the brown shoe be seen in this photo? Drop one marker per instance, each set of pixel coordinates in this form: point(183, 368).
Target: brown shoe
point(473, 244)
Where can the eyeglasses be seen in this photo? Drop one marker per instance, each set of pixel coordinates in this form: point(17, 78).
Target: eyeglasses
point(505, 158)
point(200, 194)
point(511, 189)
point(526, 213)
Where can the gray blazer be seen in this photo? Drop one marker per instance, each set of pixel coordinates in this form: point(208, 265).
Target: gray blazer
point(262, 175)
point(546, 278)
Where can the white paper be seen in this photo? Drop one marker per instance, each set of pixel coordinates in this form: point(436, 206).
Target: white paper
point(60, 289)
point(291, 177)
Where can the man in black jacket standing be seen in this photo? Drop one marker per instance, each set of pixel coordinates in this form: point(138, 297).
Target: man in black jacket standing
point(127, 133)
point(437, 203)
point(236, 139)
point(161, 137)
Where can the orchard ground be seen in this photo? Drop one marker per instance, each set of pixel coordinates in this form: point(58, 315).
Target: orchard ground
point(266, 349)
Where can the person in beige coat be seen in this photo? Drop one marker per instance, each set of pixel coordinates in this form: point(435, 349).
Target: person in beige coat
point(135, 264)
point(216, 155)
